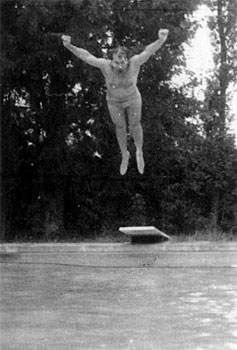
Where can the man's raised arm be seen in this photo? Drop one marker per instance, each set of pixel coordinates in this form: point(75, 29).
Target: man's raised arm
point(83, 54)
point(152, 48)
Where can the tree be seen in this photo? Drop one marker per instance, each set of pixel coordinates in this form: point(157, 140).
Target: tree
point(55, 125)
point(223, 25)
point(33, 85)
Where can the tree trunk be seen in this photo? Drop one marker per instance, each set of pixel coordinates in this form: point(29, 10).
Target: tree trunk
point(223, 70)
point(49, 209)
point(214, 210)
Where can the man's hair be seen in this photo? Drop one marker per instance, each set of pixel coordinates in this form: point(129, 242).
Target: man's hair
point(122, 49)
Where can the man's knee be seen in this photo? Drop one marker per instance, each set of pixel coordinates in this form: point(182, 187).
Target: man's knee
point(120, 124)
point(134, 124)
point(134, 118)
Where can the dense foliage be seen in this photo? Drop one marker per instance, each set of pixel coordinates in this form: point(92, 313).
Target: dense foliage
point(60, 159)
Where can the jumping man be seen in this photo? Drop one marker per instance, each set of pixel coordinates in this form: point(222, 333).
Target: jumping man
point(123, 96)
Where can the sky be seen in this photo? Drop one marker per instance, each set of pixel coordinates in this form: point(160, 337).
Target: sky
point(199, 60)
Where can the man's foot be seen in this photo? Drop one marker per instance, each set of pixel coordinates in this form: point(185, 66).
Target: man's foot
point(124, 164)
point(140, 162)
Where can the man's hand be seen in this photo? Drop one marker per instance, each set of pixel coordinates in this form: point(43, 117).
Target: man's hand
point(66, 40)
point(163, 33)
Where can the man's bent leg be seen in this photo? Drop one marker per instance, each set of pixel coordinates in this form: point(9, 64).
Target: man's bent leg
point(134, 115)
point(118, 117)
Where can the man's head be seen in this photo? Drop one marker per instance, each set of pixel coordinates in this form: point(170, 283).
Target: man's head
point(120, 58)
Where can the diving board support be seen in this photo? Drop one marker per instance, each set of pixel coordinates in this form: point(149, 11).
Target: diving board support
point(144, 234)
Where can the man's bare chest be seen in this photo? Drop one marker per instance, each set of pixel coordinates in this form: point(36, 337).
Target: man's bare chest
point(125, 80)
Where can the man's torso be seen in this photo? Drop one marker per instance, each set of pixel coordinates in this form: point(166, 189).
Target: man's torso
point(120, 86)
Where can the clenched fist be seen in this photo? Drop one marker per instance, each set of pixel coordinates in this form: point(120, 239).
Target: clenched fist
point(66, 39)
point(163, 33)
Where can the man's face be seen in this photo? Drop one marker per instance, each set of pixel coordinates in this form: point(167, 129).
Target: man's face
point(120, 61)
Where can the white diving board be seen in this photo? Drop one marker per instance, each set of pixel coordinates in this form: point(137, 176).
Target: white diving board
point(144, 234)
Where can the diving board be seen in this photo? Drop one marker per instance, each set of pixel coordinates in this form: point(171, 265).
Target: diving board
point(144, 234)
